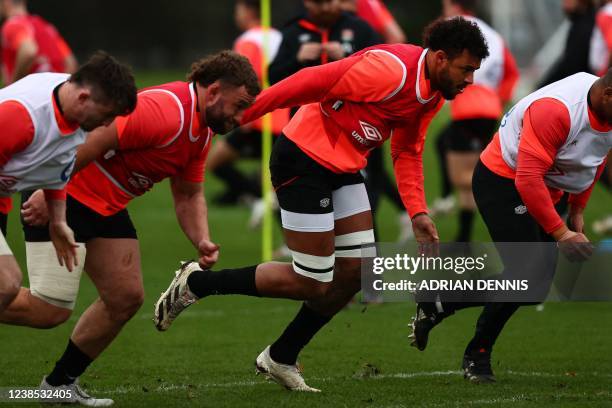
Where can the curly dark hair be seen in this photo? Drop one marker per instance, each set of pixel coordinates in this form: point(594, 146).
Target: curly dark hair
point(227, 67)
point(111, 82)
point(453, 36)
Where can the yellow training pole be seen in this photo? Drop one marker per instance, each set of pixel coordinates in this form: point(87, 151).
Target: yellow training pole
point(266, 142)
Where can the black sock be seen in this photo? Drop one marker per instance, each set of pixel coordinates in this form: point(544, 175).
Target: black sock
point(240, 281)
point(490, 323)
point(70, 366)
point(299, 332)
point(466, 218)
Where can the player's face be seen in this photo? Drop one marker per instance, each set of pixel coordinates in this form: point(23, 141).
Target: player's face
point(323, 12)
point(242, 15)
point(456, 73)
point(226, 112)
point(91, 114)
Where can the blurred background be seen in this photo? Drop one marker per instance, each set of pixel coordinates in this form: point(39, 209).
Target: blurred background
point(164, 36)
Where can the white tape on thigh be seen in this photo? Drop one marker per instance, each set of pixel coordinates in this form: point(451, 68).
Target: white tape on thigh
point(307, 222)
point(4, 248)
point(350, 245)
point(350, 200)
point(320, 268)
point(48, 280)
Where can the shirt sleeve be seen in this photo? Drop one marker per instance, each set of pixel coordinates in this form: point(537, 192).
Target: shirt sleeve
point(546, 126)
point(194, 171)
point(156, 120)
point(368, 77)
point(14, 33)
point(604, 22)
point(17, 130)
point(510, 78)
point(63, 47)
point(407, 152)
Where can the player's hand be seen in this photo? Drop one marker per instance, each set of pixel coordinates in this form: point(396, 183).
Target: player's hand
point(34, 211)
point(64, 243)
point(334, 50)
point(426, 235)
point(209, 253)
point(575, 246)
point(575, 219)
point(309, 51)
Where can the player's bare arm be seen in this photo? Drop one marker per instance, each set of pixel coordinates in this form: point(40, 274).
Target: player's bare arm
point(192, 215)
point(99, 141)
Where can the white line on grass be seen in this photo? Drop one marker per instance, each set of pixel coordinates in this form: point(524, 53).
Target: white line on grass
point(176, 387)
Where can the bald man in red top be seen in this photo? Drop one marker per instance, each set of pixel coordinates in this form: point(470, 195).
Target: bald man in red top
point(167, 136)
point(553, 141)
point(348, 108)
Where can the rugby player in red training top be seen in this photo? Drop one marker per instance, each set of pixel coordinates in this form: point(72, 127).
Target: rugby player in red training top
point(349, 107)
point(167, 136)
point(552, 141)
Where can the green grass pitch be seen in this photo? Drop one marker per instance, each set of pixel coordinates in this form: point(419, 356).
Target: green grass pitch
point(558, 357)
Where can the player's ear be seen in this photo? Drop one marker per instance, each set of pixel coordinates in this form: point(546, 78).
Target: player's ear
point(441, 58)
point(84, 94)
point(213, 93)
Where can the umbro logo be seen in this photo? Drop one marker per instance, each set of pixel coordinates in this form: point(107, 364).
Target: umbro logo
point(370, 132)
point(325, 202)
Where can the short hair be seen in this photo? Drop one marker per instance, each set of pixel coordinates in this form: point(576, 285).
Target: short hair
point(111, 82)
point(453, 36)
point(229, 68)
point(252, 4)
point(467, 5)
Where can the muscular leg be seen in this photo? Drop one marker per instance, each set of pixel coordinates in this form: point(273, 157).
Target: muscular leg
point(114, 267)
point(316, 313)
point(10, 278)
point(29, 310)
point(269, 279)
point(53, 290)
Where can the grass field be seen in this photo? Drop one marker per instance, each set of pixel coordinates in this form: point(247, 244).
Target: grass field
point(558, 357)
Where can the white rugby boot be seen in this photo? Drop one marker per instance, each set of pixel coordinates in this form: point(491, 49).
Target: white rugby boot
point(176, 298)
point(289, 376)
point(71, 394)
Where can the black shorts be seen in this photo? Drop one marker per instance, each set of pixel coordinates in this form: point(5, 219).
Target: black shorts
point(247, 143)
point(3, 223)
point(86, 224)
point(302, 185)
point(471, 135)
